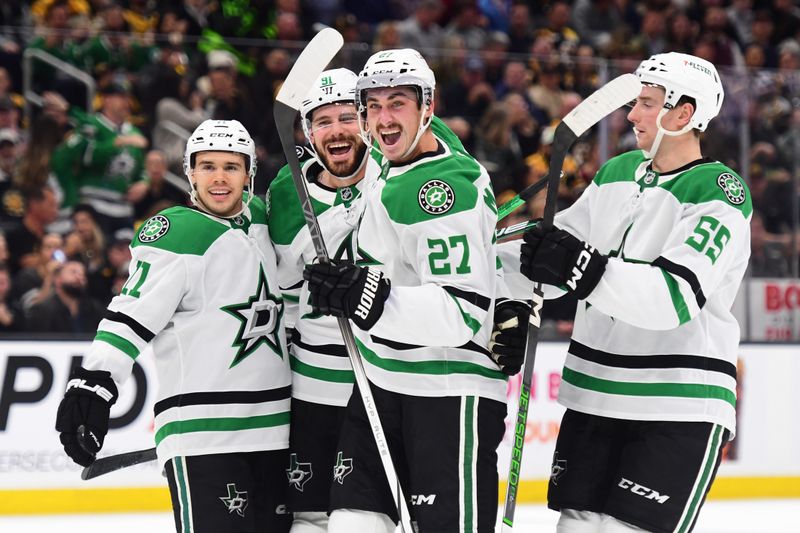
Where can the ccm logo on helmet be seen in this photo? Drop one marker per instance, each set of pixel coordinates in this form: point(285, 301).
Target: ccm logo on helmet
point(220, 134)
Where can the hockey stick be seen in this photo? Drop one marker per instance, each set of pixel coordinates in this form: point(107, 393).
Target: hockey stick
point(110, 463)
point(609, 97)
point(312, 61)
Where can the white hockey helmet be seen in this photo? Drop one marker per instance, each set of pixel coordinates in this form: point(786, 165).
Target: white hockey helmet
point(219, 136)
point(685, 75)
point(335, 86)
point(394, 68)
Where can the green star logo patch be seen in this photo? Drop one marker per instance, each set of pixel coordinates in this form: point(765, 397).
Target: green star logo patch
point(436, 197)
point(732, 188)
point(260, 318)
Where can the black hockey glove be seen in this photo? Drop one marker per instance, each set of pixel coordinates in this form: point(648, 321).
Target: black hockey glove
point(509, 335)
point(349, 291)
point(83, 413)
point(556, 257)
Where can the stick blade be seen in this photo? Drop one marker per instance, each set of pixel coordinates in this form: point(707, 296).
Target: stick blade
point(603, 101)
point(314, 58)
point(104, 465)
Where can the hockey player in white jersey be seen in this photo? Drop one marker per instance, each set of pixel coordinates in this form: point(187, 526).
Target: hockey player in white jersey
point(421, 297)
point(203, 292)
point(655, 250)
point(322, 378)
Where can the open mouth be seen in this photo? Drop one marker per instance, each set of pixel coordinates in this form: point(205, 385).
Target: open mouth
point(219, 194)
point(339, 149)
point(390, 137)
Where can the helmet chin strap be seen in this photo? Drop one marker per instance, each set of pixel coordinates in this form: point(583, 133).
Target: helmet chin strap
point(423, 125)
point(195, 199)
point(651, 154)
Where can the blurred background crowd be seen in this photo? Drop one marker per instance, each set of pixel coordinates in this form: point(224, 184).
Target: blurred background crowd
point(97, 98)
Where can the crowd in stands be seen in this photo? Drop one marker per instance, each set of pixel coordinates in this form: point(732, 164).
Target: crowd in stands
point(76, 181)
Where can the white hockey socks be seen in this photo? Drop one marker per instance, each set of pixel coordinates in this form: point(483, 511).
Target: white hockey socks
point(572, 521)
point(350, 520)
point(310, 522)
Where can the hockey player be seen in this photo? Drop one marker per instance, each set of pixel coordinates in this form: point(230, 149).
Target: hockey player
point(421, 297)
point(203, 292)
point(322, 378)
point(654, 250)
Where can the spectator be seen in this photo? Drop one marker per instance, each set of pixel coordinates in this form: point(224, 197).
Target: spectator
point(767, 251)
point(761, 35)
point(228, 99)
point(495, 55)
point(421, 31)
point(115, 48)
point(108, 155)
point(11, 316)
point(546, 93)
point(157, 184)
point(11, 206)
point(497, 149)
point(68, 309)
point(653, 34)
point(564, 38)
point(467, 24)
point(54, 38)
point(9, 115)
point(470, 95)
point(387, 37)
point(520, 29)
point(583, 78)
point(681, 32)
point(35, 283)
point(109, 279)
point(596, 21)
point(41, 209)
point(726, 51)
point(786, 15)
point(86, 243)
point(33, 170)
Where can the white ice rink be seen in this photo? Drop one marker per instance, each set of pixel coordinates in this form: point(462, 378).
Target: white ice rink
point(739, 516)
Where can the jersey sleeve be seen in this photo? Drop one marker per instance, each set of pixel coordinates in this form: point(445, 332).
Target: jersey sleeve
point(702, 254)
point(157, 281)
point(456, 266)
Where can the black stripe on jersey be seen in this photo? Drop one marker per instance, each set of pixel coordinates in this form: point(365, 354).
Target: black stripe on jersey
point(219, 398)
point(326, 349)
point(685, 274)
point(478, 300)
point(143, 333)
point(394, 345)
point(295, 286)
point(652, 361)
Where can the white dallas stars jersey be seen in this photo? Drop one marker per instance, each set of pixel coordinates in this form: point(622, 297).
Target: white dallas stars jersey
point(203, 290)
point(656, 339)
point(429, 227)
point(321, 370)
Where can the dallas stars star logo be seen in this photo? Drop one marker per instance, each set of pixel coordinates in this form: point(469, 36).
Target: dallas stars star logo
point(260, 316)
point(236, 500)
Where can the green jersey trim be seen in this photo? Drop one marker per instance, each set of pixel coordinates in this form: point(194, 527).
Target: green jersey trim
point(620, 168)
point(322, 374)
point(467, 465)
point(437, 368)
point(120, 343)
point(180, 427)
point(285, 223)
point(180, 230)
point(674, 390)
point(471, 322)
point(432, 190)
point(678, 301)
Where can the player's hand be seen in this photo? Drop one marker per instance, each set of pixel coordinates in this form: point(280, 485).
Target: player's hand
point(83, 414)
point(556, 257)
point(509, 335)
point(349, 291)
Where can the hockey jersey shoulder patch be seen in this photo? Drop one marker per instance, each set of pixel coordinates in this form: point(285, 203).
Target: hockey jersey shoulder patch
point(712, 182)
point(179, 230)
point(426, 192)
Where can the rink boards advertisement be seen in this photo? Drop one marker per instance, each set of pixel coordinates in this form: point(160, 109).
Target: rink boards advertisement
point(36, 476)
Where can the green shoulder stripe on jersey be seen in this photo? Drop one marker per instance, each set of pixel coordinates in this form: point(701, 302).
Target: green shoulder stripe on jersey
point(627, 388)
point(469, 320)
point(437, 368)
point(711, 182)
point(258, 210)
point(441, 130)
point(619, 168)
point(677, 298)
point(432, 190)
point(180, 427)
point(120, 343)
point(180, 230)
point(285, 214)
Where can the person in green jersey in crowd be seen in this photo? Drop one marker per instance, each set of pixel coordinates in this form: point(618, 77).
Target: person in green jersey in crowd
point(655, 250)
point(203, 292)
